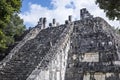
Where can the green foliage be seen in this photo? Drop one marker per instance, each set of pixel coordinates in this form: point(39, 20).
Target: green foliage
point(111, 8)
point(2, 41)
point(10, 23)
point(7, 8)
point(15, 27)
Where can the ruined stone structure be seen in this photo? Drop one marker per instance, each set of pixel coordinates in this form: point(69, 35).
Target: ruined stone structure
point(87, 49)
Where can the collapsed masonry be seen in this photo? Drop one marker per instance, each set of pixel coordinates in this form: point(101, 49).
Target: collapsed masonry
point(87, 49)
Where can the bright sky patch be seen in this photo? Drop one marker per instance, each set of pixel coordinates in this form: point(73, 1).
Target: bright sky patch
point(32, 10)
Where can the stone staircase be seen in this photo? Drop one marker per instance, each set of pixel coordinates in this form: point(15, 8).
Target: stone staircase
point(29, 53)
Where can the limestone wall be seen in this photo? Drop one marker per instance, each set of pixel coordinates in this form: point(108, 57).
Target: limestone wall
point(31, 54)
point(53, 65)
point(83, 50)
point(101, 76)
point(94, 51)
point(89, 57)
point(57, 67)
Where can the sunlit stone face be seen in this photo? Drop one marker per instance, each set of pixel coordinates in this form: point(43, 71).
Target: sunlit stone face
point(99, 76)
point(95, 76)
point(74, 57)
point(103, 43)
point(58, 75)
point(109, 74)
point(86, 76)
point(110, 43)
point(90, 57)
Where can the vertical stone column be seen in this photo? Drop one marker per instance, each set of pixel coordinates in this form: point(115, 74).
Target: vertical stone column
point(40, 23)
point(66, 22)
point(50, 24)
point(81, 15)
point(70, 18)
point(41, 20)
point(44, 23)
point(85, 14)
point(54, 22)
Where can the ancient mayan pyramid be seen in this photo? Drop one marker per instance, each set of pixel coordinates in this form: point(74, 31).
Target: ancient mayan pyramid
point(87, 49)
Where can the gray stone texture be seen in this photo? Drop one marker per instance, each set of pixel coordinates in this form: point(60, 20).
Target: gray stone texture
point(27, 58)
point(87, 49)
point(96, 36)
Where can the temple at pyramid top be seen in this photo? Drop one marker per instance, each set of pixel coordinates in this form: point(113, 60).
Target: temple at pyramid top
point(84, 13)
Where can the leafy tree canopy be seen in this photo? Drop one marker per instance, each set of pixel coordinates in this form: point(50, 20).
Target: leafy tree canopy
point(10, 23)
point(111, 8)
point(7, 8)
point(14, 29)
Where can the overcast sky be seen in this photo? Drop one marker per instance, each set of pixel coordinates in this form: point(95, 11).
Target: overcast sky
point(32, 10)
